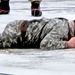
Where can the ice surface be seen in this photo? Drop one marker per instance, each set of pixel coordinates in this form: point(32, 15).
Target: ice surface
point(34, 61)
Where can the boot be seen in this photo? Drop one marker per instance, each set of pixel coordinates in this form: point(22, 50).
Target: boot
point(5, 8)
point(35, 8)
point(0, 6)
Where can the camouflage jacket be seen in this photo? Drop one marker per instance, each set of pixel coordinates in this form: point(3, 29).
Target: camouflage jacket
point(43, 33)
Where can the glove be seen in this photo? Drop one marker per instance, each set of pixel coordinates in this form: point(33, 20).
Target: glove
point(71, 43)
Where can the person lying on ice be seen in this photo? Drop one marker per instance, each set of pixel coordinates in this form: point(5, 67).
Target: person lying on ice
point(54, 33)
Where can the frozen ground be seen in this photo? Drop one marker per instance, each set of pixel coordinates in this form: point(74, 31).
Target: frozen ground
point(34, 61)
point(37, 62)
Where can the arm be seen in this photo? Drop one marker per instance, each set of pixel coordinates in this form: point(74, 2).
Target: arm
point(53, 43)
point(56, 38)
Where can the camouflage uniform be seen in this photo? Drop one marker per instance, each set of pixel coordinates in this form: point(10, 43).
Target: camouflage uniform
point(43, 33)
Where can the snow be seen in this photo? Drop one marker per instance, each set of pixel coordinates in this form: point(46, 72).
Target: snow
point(36, 61)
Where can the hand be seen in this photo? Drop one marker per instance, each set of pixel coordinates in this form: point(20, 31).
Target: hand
point(71, 43)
